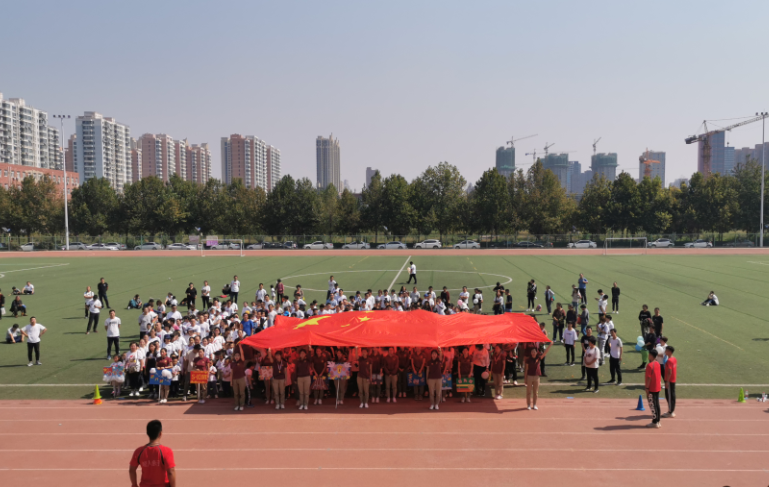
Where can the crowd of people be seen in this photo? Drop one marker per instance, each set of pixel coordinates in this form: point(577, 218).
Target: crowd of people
point(209, 339)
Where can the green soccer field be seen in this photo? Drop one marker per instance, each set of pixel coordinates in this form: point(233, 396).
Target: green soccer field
point(716, 346)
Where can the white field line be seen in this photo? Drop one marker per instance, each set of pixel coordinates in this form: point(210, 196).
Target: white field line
point(31, 269)
point(399, 272)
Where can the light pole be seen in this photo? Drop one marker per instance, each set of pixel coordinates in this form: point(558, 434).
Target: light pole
point(64, 170)
point(763, 168)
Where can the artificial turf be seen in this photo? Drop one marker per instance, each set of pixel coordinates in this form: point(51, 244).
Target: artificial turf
point(726, 344)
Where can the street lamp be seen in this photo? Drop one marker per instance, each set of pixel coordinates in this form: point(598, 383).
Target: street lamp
point(763, 168)
point(64, 170)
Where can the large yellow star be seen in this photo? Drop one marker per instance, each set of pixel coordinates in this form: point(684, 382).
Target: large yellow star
point(365, 318)
point(311, 322)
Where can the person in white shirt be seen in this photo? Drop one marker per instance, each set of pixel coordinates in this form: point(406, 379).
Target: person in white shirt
point(370, 301)
point(33, 331)
point(603, 336)
point(13, 335)
point(112, 327)
point(94, 308)
point(592, 356)
point(271, 316)
point(615, 357)
point(603, 301)
point(712, 299)
point(477, 301)
point(205, 295)
point(569, 339)
point(440, 308)
point(412, 273)
point(464, 295)
point(28, 289)
point(234, 289)
point(261, 293)
point(331, 287)
point(88, 295)
point(175, 314)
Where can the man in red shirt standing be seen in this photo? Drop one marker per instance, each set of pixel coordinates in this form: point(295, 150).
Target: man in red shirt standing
point(671, 371)
point(156, 460)
point(653, 388)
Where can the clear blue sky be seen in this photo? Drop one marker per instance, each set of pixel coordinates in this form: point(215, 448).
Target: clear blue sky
point(403, 85)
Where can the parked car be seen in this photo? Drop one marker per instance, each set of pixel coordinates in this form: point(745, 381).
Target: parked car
point(428, 244)
point(255, 246)
point(289, 245)
point(739, 243)
point(119, 246)
point(180, 246)
point(28, 247)
point(226, 246)
point(273, 245)
point(548, 245)
point(467, 244)
point(698, 244)
point(528, 245)
point(661, 243)
point(102, 246)
point(149, 246)
point(582, 244)
point(392, 245)
point(75, 246)
point(356, 245)
point(318, 245)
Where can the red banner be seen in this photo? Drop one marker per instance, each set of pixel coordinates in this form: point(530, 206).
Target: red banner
point(398, 329)
point(198, 377)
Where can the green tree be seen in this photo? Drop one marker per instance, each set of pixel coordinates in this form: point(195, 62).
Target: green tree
point(348, 214)
point(371, 210)
point(490, 203)
point(593, 207)
point(93, 208)
point(208, 211)
point(397, 213)
point(548, 208)
point(445, 190)
point(329, 201)
point(656, 213)
point(36, 205)
point(624, 209)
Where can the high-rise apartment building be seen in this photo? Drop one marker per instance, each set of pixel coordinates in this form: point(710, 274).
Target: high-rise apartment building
point(198, 159)
point(369, 174)
point(69, 153)
point(505, 161)
point(559, 164)
point(180, 158)
point(657, 170)
point(604, 165)
point(102, 149)
point(245, 158)
point(136, 160)
point(741, 156)
point(273, 167)
point(158, 156)
point(327, 162)
point(25, 137)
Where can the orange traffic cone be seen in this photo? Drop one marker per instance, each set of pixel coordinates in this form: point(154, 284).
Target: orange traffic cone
point(97, 396)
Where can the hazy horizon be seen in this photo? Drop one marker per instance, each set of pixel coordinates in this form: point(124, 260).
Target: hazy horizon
point(403, 85)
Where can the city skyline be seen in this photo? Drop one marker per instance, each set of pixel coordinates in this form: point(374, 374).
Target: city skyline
point(425, 94)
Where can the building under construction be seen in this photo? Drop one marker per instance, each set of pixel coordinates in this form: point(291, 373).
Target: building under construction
point(559, 164)
point(656, 169)
point(505, 163)
point(604, 164)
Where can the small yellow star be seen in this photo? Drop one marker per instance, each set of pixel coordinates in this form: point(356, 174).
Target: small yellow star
point(310, 322)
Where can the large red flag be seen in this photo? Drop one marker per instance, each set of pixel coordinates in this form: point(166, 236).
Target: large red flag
point(399, 329)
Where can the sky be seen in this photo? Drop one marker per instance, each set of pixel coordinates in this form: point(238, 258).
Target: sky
point(402, 84)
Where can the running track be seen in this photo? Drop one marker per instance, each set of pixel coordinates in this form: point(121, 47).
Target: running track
point(492, 443)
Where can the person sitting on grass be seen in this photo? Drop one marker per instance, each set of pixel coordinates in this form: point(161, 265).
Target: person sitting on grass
point(17, 307)
point(28, 289)
point(15, 291)
point(135, 303)
point(712, 299)
point(13, 335)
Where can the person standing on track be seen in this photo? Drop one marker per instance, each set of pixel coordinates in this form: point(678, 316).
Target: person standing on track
point(112, 327)
point(412, 273)
point(156, 460)
point(653, 389)
point(103, 287)
point(582, 284)
point(94, 308)
point(615, 298)
point(33, 331)
point(671, 372)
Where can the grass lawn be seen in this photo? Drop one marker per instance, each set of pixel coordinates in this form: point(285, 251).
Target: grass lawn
point(727, 344)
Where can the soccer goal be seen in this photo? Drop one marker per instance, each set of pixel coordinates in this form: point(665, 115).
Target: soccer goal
point(625, 246)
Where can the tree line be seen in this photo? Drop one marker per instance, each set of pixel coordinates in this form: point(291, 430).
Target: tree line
point(437, 201)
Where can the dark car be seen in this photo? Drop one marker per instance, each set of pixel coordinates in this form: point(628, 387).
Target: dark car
point(548, 245)
point(739, 243)
point(272, 245)
point(528, 245)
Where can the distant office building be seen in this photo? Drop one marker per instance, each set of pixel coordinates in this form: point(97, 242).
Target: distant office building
point(369, 174)
point(328, 162)
point(158, 156)
point(741, 156)
point(198, 160)
point(136, 160)
point(559, 164)
point(573, 177)
point(505, 161)
point(11, 175)
point(273, 167)
point(102, 149)
point(728, 168)
point(69, 153)
point(717, 142)
point(604, 164)
point(657, 170)
point(25, 137)
point(678, 182)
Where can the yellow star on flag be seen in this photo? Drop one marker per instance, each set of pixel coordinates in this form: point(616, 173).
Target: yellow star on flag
point(311, 322)
point(365, 318)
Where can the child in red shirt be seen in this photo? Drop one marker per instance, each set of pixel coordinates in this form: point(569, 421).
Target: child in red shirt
point(671, 372)
point(653, 388)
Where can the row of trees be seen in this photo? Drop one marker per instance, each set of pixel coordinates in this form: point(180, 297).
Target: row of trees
point(436, 201)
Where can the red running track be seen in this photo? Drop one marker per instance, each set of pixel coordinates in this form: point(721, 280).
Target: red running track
point(496, 443)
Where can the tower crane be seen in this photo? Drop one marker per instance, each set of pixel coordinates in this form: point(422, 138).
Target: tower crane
point(513, 140)
point(595, 143)
point(705, 139)
point(547, 146)
point(534, 154)
point(647, 162)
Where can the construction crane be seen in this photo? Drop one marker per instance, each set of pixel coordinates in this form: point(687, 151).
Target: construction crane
point(647, 162)
point(513, 140)
point(705, 139)
point(534, 154)
point(547, 146)
point(595, 143)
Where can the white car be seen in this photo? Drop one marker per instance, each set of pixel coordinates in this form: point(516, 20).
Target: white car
point(582, 244)
point(102, 246)
point(662, 243)
point(356, 245)
point(318, 245)
point(467, 244)
point(149, 246)
point(28, 247)
point(392, 245)
point(254, 246)
point(226, 246)
point(698, 244)
point(180, 246)
point(428, 244)
point(75, 246)
point(118, 245)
